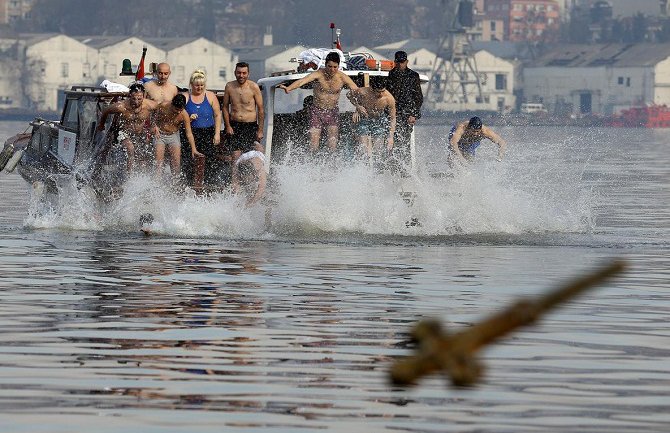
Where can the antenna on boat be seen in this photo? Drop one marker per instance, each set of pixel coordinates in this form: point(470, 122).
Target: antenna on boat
point(335, 37)
point(332, 35)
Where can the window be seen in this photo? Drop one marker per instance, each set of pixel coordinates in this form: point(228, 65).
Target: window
point(64, 70)
point(222, 73)
point(627, 81)
point(501, 82)
point(493, 26)
point(620, 81)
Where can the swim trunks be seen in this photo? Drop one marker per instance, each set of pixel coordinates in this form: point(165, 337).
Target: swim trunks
point(373, 126)
point(464, 148)
point(244, 136)
point(322, 117)
point(171, 140)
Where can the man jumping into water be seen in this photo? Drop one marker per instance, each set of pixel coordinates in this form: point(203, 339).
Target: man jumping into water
point(324, 112)
point(465, 137)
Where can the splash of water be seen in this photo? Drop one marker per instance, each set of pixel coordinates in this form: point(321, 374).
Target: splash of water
point(316, 199)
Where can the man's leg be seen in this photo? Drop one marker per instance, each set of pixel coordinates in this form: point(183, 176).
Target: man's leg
point(333, 133)
point(175, 158)
point(365, 146)
point(159, 150)
point(130, 151)
point(314, 138)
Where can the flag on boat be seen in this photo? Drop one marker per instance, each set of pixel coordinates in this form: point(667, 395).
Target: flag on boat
point(140, 68)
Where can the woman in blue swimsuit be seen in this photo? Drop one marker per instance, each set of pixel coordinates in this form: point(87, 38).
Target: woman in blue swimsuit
point(204, 111)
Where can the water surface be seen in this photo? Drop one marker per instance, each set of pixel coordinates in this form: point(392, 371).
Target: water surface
point(221, 322)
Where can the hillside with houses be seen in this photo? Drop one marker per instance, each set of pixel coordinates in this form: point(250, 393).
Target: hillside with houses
point(501, 54)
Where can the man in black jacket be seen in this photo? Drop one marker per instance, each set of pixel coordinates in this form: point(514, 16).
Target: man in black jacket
point(405, 86)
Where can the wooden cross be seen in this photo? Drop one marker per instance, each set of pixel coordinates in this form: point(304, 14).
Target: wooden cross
point(455, 354)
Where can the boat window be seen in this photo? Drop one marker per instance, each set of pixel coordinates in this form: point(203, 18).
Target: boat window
point(70, 118)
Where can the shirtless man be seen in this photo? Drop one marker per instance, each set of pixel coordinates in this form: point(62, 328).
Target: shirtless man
point(372, 103)
point(160, 89)
point(169, 117)
point(466, 136)
point(249, 174)
point(324, 111)
point(243, 113)
point(134, 125)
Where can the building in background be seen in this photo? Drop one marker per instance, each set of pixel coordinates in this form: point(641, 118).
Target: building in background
point(49, 64)
point(264, 60)
point(599, 79)
point(35, 69)
point(526, 20)
point(14, 10)
point(188, 54)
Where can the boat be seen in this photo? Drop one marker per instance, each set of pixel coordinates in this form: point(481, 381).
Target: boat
point(649, 116)
point(285, 124)
point(53, 153)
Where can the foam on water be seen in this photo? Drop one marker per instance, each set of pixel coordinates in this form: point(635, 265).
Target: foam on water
point(515, 197)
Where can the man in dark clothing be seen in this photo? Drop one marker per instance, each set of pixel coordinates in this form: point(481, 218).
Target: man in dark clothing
point(405, 86)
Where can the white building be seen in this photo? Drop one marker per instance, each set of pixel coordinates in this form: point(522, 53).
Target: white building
point(599, 79)
point(264, 60)
point(421, 53)
point(112, 50)
point(52, 63)
point(188, 54)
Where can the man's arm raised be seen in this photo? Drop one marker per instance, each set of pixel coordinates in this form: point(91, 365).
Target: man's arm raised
point(116, 108)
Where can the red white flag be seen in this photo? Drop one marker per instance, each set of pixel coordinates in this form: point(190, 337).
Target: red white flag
point(140, 68)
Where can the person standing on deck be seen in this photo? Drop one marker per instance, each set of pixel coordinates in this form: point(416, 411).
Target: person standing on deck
point(134, 125)
point(243, 113)
point(324, 112)
point(160, 89)
point(204, 112)
point(405, 86)
point(375, 117)
point(170, 116)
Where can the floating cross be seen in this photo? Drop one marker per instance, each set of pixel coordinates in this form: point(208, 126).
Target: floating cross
point(454, 354)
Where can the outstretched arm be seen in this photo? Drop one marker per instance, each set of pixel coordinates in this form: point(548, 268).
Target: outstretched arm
point(116, 108)
point(214, 101)
point(189, 134)
point(502, 144)
point(348, 81)
point(299, 83)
